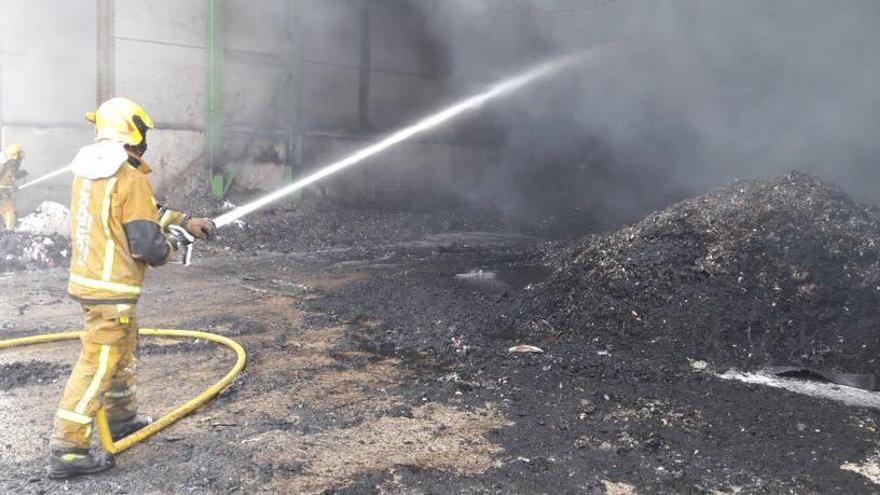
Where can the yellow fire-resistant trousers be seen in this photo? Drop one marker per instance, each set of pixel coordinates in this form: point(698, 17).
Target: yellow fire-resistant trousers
point(105, 374)
point(7, 212)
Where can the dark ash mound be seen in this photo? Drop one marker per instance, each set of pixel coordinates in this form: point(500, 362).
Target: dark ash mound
point(15, 375)
point(773, 272)
point(23, 251)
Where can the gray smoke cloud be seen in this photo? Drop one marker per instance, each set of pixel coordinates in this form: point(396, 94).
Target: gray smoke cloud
point(693, 94)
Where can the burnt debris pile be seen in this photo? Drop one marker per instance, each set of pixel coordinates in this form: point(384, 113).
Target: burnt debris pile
point(21, 251)
point(780, 272)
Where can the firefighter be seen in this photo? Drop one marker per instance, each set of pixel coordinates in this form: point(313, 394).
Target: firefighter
point(117, 232)
point(10, 171)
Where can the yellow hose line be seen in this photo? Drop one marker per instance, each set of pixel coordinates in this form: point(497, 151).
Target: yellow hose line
point(172, 417)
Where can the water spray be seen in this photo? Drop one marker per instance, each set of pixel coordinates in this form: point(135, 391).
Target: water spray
point(503, 88)
point(44, 177)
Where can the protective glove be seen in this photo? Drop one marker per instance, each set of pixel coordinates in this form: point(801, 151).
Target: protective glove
point(200, 228)
point(21, 174)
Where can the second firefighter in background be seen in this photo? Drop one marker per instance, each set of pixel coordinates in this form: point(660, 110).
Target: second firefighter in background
point(10, 172)
point(118, 231)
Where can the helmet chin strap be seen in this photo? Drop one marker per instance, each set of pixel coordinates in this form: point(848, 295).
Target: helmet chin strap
point(136, 152)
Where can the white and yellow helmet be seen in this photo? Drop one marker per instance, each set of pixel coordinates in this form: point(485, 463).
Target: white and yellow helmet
point(122, 120)
point(12, 152)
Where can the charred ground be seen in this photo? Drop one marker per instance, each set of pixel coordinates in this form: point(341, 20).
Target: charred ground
point(384, 367)
point(754, 274)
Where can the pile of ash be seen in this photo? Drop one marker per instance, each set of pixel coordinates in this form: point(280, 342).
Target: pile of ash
point(21, 251)
point(323, 224)
point(20, 374)
point(780, 272)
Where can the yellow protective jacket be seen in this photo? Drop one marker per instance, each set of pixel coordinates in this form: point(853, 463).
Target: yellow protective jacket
point(115, 227)
point(8, 175)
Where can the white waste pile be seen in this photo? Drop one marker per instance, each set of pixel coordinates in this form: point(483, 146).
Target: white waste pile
point(39, 241)
point(48, 219)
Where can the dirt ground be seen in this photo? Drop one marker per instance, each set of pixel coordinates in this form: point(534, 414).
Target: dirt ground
point(386, 370)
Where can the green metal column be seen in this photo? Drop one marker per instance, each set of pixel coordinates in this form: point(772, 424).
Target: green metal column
point(213, 95)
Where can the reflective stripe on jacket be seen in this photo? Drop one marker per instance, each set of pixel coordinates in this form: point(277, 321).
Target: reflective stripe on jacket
point(8, 171)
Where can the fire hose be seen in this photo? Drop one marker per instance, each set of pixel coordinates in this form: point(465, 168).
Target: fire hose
point(101, 424)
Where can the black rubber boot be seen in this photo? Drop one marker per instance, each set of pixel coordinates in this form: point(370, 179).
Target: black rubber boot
point(68, 463)
point(122, 429)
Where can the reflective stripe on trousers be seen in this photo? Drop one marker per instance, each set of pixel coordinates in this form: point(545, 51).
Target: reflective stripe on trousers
point(103, 375)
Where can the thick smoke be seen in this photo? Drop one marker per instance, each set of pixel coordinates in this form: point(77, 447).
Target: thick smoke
point(692, 95)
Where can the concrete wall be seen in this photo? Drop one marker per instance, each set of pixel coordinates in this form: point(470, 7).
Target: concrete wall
point(46, 85)
point(292, 78)
point(406, 78)
point(160, 63)
point(406, 82)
